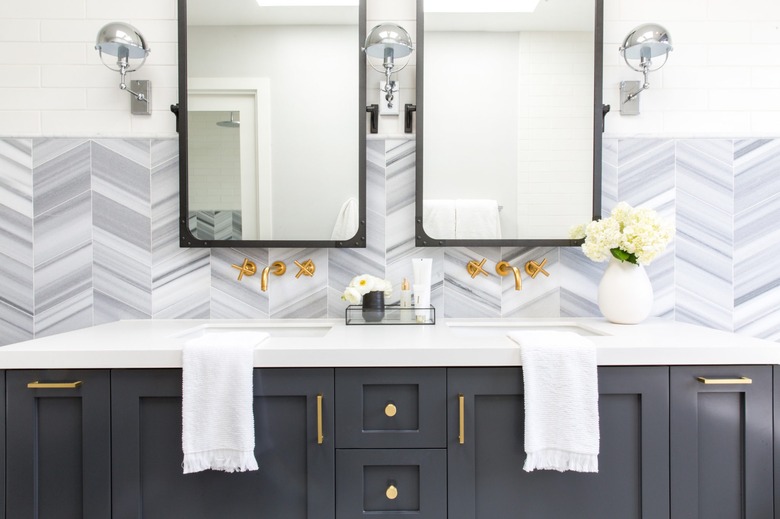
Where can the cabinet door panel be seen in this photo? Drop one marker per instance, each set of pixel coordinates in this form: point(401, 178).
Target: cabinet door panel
point(486, 476)
point(721, 464)
point(295, 479)
point(59, 463)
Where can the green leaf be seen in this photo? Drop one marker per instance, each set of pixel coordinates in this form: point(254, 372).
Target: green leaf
point(622, 255)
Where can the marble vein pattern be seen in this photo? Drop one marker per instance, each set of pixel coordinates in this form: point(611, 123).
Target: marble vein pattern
point(579, 282)
point(122, 227)
point(705, 233)
point(63, 235)
point(757, 237)
point(303, 297)
point(16, 240)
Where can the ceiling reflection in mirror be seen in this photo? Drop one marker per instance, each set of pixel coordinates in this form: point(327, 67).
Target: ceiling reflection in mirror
point(508, 122)
point(274, 148)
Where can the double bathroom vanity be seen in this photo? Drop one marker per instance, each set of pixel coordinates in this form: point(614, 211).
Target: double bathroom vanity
point(382, 421)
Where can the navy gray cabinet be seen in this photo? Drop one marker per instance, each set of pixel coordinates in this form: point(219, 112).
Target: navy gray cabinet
point(59, 444)
point(391, 436)
point(296, 476)
point(721, 442)
point(485, 472)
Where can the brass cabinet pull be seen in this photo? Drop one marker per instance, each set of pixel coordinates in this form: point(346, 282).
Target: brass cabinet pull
point(54, 385)
point(391, 410)
point(320, 436)
point(740, 380)
point(461, 419)
point(391, 492)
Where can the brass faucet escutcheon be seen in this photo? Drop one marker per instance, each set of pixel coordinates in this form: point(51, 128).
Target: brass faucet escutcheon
point(248, 268)
point(307, 268)
point(503, 269)
point(474, 268)
point(278, 267)
point(533, 268)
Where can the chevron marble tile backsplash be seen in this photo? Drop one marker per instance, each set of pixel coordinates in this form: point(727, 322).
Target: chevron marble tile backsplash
point(90, 235)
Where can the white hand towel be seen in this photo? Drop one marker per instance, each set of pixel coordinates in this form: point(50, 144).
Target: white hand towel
point(561, 401)
point(346, 221)
point(439, 218)
point(218, 426)
point(477, 219)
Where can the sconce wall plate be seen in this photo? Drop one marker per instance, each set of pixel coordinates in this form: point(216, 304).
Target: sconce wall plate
point(137, 106)
point(629, 105)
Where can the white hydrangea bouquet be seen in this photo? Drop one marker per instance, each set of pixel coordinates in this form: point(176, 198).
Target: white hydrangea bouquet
point(362, 285)
point(636, 235)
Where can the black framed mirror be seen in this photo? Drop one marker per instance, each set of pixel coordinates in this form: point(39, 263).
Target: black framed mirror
point(271, 129)
point(509, 123)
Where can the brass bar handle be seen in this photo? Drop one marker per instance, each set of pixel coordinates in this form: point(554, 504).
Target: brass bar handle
point(390, 410)
point(54, 385)
point(461, 419)
point(740, 380)
point(320, 436)
point(391, 492)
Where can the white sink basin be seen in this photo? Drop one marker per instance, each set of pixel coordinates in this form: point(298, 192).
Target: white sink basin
point(273, 329)
point(501, 328)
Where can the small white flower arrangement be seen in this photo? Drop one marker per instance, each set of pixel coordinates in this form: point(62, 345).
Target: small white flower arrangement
point(636, 235)
point(362, 285)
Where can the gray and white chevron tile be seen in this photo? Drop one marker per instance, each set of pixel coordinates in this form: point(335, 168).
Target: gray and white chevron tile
point(234, 299)
point(609, 176)
point(704, 239)
point(465, 296)
point(539, 296)
point(303, 296)
point(579, 281)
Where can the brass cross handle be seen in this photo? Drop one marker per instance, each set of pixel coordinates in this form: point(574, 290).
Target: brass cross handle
point(248, 268)
point(474, 268)
point(307, 268)
point(533, 268)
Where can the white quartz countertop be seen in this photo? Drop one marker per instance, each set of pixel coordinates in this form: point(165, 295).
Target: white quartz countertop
point(330, 343)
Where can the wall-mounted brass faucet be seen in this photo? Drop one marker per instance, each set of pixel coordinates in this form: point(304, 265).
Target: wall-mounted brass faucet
point(279, 268)
point(503, 269)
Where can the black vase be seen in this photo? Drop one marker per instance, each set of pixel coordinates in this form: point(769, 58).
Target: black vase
point(373, 306)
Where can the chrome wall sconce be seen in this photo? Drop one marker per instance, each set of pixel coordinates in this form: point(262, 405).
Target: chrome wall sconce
point(388, 42)
point(126, 43)
point(645, 42)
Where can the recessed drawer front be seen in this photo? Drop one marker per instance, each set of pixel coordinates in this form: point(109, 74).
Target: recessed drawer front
point(391, 408)
point(383, 483)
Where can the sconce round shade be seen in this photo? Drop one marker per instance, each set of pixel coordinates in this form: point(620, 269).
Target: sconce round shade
point(388, 36)
point(649, 40)
point(121, 40)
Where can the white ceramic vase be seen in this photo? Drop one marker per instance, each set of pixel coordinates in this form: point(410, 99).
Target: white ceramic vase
point(625, 293)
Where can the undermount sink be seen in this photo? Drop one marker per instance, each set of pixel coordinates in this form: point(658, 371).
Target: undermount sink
point(272, 329)
point(502, 328)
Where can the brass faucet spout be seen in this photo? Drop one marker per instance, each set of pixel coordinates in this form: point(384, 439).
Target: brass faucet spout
point(503, 268)
point(279, 268)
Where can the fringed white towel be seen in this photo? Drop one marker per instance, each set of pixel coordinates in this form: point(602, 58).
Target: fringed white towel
point(218, 426)
point(561, 401)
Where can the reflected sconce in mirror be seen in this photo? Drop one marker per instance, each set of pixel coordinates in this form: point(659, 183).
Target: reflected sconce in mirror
point(388, 42)
point(126, 43)
point(644, 43)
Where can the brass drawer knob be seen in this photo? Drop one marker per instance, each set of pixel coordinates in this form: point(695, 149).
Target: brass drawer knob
point(390, 410)
point(391, 492)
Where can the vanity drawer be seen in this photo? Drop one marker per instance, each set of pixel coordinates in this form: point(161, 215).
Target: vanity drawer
point(391, 408)
point(386, 483)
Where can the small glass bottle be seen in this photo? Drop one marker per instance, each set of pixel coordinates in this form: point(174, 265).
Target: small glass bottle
point(406, 302)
